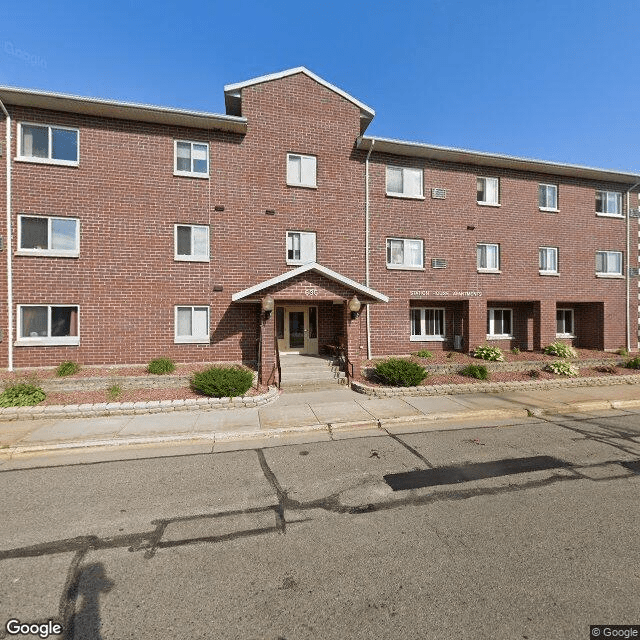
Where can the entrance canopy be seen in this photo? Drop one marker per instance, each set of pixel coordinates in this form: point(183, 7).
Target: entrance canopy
point(346, 286)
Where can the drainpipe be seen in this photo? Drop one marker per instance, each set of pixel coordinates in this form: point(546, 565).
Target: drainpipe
point(366, 243)
point(9, 243)
point(627, 275)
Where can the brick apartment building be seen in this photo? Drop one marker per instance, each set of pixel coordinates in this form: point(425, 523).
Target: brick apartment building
point(133, 232)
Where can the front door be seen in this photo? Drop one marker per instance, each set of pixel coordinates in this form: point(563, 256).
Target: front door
point(297, 329)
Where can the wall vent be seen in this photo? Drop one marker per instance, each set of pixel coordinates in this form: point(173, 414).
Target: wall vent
point(438, 263)
point(438, 193)
point(634, 272)
point(634, 213)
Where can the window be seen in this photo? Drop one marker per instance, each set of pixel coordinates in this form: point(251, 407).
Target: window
point(404, 254)
point(488, 257)
point(301, 247)
point(609, 203)
point(548, 260)
point(48, 325)
point(191, 159)
point(192, 325)
point(48, 144)
point(427, 324)
point(58, 237)
point(548, 197)
point(609, 263)
point(301, 170)
point(404, 182)
point(499, 323)
point(192, 242)
point(564, 323)
point(488, 191)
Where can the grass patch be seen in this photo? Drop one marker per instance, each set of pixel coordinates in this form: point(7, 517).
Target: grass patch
point(423, 353)
point(161, 366)
point(114, 392)
point(68, 368)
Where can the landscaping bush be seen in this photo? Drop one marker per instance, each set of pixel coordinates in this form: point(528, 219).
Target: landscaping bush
point(485, 352)
point(534, 373)
point(160, 366)
point(423, 353)
point(400, 373)
point(67, 369)
point(622, 352)
point(113, 392)
point(222, 382)
point(560, 349)
point(21, 395)
point(562, 369)
point(634, 363)
point(478, 371)
point(515, 351)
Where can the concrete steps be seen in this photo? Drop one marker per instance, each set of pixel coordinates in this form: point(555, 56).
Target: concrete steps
point(309, 373)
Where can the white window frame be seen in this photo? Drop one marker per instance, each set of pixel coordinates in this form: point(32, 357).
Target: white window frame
point(610, 274)
point(485, 269)
point(191, 257)
point(548, 251)
point(191, 173)
point(48, 160)
point(547, 188)
point(404, 193)
point(605, 200)
point(48, 340)
point(570, 334)
point(404, 266)
point(488, 203)
point(52, 253)
point(307, 239)
point(492, 335)
point(425, 321)
point(197, 339)
point(299, 182)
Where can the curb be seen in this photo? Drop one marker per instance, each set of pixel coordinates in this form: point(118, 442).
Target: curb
point(230, 436)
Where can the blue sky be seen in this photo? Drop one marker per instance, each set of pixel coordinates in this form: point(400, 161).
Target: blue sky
point(555, 80)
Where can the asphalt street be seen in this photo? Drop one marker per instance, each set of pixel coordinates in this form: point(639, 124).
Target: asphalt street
point(523, 528)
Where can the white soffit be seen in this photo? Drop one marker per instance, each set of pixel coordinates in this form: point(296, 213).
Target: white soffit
point(318, 268)
point(483, 159)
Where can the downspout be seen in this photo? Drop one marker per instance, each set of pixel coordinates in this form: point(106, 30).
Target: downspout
point(627, 274)
point(366, 243)
point(9, 244)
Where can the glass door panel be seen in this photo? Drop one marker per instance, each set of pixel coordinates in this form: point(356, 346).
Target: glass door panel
point(296, 329)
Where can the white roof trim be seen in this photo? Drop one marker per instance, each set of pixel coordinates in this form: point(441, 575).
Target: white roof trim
point(311, 266)
point(235, 88)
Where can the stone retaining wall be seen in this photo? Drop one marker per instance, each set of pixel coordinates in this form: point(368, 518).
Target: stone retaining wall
point(134, 408)
point(492, 387)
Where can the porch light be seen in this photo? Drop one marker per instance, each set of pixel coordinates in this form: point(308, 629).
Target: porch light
point(354, 307)
point(267, 305)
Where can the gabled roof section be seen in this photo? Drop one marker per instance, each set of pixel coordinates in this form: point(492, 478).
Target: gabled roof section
point(318, 268)
point(483, 159)
point(233, 93)
point(121, 110)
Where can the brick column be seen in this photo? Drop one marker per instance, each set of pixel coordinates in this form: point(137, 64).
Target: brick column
point(475, 323)
point(267, 349)
point(544, 329)
point(355, 336)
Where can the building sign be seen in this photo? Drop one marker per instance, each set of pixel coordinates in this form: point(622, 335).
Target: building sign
point(446, 294)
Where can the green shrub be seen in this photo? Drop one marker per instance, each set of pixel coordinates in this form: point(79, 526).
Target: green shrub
point(222, 382)
point(560, 349)
point(562, 369)
point(515, 351)
point(160, 366)
point(21, 395)
point(485, 352)
point(634, 363)
point(423, 353)
point(114, 391)
point(67, 369)
point(622, 352)
point(400, 373)
point(478, 371)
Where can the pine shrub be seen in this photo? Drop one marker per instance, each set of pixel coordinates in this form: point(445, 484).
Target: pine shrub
point(222, 382)
point(634, 363)
point(478, 371)
point(398, 372)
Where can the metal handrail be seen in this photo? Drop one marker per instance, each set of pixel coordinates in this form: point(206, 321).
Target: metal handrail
point(278, 362)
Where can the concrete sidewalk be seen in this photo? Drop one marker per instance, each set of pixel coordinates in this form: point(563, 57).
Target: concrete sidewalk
point(327, 413)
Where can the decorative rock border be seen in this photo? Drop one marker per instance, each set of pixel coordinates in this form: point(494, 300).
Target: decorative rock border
point(135, 408)
point(492, 387)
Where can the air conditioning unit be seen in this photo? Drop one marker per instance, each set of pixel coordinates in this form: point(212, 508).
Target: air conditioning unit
point(634, 213)
point(438, 193)
point(634, 272)
point(457, 343)
point(438, 263)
